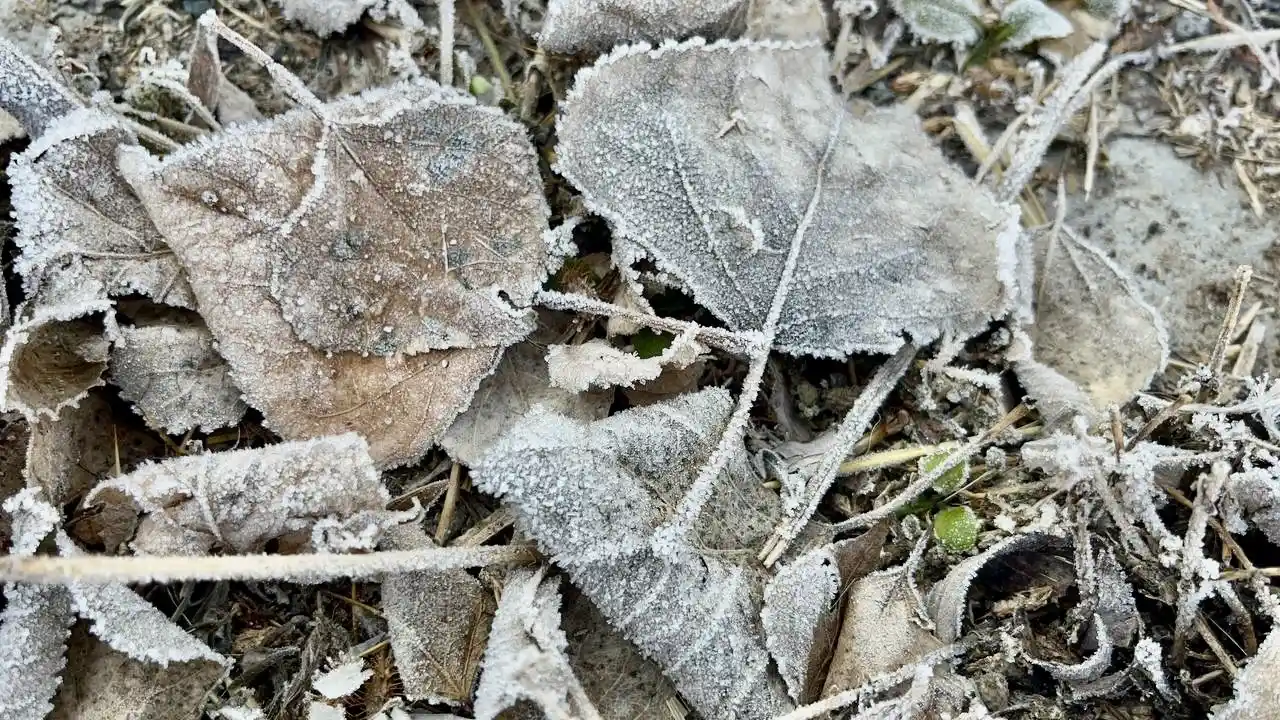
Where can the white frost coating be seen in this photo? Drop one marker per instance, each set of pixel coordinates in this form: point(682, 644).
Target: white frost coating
point(33, 520)
point(1033, 20)
point(644, 137)
point(328, 17)
point(598, 364)
point(798, 600)
point(526, 657)
point(943, 21)
point(592, 496)
point(241, 499)
point(175, 378)
point(589, 25)
point(948, 600)
point(341, 681)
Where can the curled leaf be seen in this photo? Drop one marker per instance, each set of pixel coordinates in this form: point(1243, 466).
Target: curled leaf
point(240, 499)
point(949, 599)
point(598, 364)
point(720, 162)
point(1032, 20)
point(175, 378)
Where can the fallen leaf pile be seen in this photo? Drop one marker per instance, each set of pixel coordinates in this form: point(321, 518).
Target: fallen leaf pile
point(346, 343)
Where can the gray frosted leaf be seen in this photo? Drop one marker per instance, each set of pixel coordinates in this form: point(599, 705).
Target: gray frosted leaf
point(133, 626)
point(598, 364)
point(174, 378)
point(949, 599)
point(801, 609)
point(363, 246)
point(240, 499)
point(945, 21)
point(592, 496)
point(572, 26)
point(520, 383)
point(717, 160)
point(327, 17)
point(438, 624)
point(1092, 328)
point(77, 217)
point(1032, 20)
point(1256, 692)
point(526, 659)
point(104, 684)
point(34, 627)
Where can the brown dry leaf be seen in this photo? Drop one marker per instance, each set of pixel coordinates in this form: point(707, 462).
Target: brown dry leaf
point(207, 83)
point(56, 350)
point(102, 684)
point(621, 682)
point(438, 623)
point(325, 490)
point(404, 221)
point(1091, 328)
point(15, 435)
point(881, 631)
point(801, 611)
point(175, 378)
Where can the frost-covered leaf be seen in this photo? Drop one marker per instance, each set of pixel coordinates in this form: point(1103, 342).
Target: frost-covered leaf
point(1032, 20)
point(341, 681)
point(35, 622)
point(592, 496)
point(56, 350)
point(207, 82)
point(794, 20)
point(722, 161)
point(1092, 328)
point(944, 21)
point(241, 499)
point(597, 364)
point(1253, 497)
point(1256, 693)
point(102, 684)
point(881, 631)
point(327, 17)
point(572, 26)
point(438, 624)
point(30, 92)
point(175, 378)
point(801, 609)
point(132, 626)
point(401, 222)
point(618, 679)
point(520, 383)
point(77, 217)
point(949, 599)
point(525, 658)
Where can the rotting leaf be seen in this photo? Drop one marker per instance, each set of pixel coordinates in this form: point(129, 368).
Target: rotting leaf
point(881, 632)
point(324, 493)
point(525, 658)
point(572, 26)
point(727, 162)
point(1092, 328)
point(363, 248)
point(801, 609)
point(692, 611)
point(103, 684)
point(175, 378)
point(438, 624)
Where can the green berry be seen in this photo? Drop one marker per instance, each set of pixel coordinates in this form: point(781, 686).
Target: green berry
point(956, 528)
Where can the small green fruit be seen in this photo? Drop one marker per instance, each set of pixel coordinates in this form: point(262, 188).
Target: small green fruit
point(956, 528)
point(479, 85)
point(951, 480)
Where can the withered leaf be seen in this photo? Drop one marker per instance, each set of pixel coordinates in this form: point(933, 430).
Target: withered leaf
point(592, 496)
point(729, 164)
point(949, 599)
point(801, 608)
point(324, 493)
point(76, 216)
point(404, 221)
point(1256, 693)
point(438, 623)
point(1092, 328)
point(598, 364)
point(103, 684)
point(580, 25)
point(526, 659)
point(174, 377)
